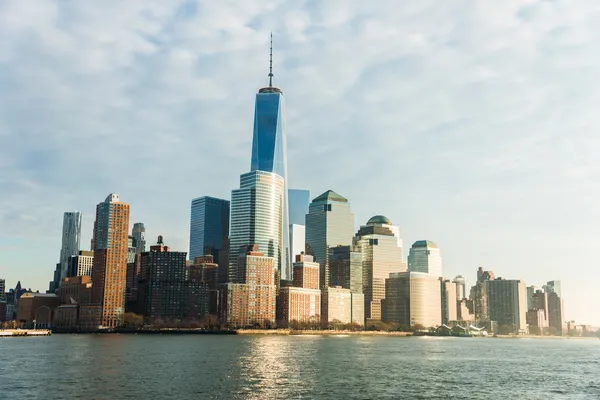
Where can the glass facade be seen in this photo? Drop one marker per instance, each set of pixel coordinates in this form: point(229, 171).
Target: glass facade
point(329, 223)
point(256, 218)
point(299, 201)
point(209, 226)
point(139, 233)
point(269, 154)
point(71, 238)
point(425, 257)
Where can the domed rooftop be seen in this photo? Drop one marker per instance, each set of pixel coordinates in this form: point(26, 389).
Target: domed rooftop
point(379, 219)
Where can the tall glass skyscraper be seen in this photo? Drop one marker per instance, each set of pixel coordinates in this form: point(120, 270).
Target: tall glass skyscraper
point(299, 200)
point(256, 213)
point(269, 153)
point(139, 233)
point(209, 226)
point(71, 238)
point(329, 223)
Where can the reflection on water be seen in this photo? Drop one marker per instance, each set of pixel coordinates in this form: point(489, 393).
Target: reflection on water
point(291, 367)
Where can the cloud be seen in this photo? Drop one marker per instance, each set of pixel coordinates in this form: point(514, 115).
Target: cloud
point(468, 124)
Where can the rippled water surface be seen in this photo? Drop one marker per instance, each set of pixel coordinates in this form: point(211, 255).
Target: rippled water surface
point(296, 367)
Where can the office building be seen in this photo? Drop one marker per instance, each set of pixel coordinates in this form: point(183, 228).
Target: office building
point(297, 239)
point(346, 268)
point(336, 305)
point(251, 300)
point(75, 290)
point(425, 257)
point(553, 287)
point(536, 321)
point(381, 257)
point(204, 270)
point(109, 271)
point(255, 219)
point(539, 301)
point(299, 200)
point(461, 287)
point(139, 235)
point(329, 223)
point(131, 249)
point(209, 226)
point(507, 304)
point(164, 291)
point(71, 239)
point(2, 289)
point(81, 264)
point(556, 313)
point(531, 290)
point(269, 154)
point(449, 300)
point(412, 298)
point(36, 310)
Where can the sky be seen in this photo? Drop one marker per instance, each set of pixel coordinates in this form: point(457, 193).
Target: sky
point(471, 124)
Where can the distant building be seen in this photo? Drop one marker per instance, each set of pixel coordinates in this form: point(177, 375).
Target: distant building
point(81, 264)
point(556, 313)
point(479, 295)
point(131, 286)
point(507, 304)
point(425, 257)
point(346, 268)
point(297, 239)
point(461, 287)
point(209, 226)
point(381, 257)
point(109, 271)
point(299, 200)
point(329, 223)
point(71, 239)
point(302, 301)
point(36, 310)
point(531, 290)
point(448, 300)
point(131, 249)
point(412, 298)
point(139, 234)
point(336, 305)
point(2, 289)
point(75, 290)
point(251, 300)
point(536, 320)
point(539, 301)
point(553, 287)
point(205, 271)
point(464, 313)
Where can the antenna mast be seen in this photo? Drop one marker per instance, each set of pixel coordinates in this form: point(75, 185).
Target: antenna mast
point(271, 62)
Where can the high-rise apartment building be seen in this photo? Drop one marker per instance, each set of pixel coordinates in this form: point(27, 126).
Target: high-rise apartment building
point(329, 223)
point(269, 154)
point(256, 219)
point(381, 257)
point(109, 271)
point(412, 298)
point(556, 313)
point(71, 239)
point(425, 257)
point(301, 302)
point(164, 290)
point(507, 304)
point(209, 226)
point(139, 234)
point(449, 300)
point(81, 264)
point(131, 249)
point(251, 300)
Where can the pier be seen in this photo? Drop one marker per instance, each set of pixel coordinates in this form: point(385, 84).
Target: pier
point(24, 332)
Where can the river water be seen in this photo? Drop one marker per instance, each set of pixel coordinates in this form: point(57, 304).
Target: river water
point(296, 367)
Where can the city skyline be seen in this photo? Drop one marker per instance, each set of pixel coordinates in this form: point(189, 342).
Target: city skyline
point(493, 186)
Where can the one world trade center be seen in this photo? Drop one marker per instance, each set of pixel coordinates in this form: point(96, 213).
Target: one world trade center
point(269, 151)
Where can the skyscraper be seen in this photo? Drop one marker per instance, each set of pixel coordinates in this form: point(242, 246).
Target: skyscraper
point(109, 271)
point(299, 200)
point(71, 239)
point(553, 287)
point(269, 153)
point(425, 257)
point(461, 287)
point(329, 223)
point(449, 300)
point(209, 226)
point(139, 234)
point(507, 304)
point(256, 218)
point(381, 257)
point(556, 313)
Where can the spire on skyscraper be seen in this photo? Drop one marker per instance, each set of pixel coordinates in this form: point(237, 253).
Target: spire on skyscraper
point(271, 62)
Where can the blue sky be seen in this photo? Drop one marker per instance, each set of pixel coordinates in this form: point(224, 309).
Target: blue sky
point(470, 124)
